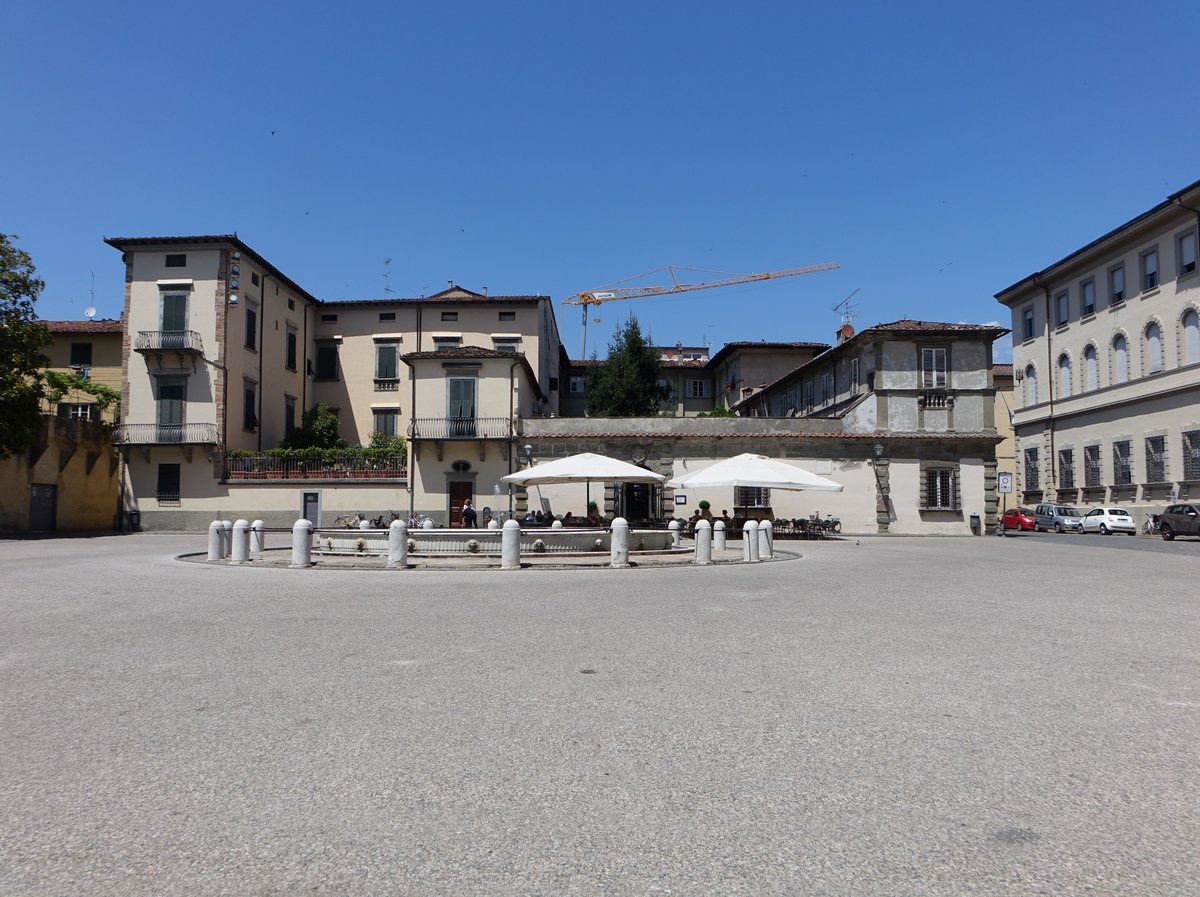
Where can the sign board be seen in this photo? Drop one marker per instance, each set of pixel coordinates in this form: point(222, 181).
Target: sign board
point(1004, 483)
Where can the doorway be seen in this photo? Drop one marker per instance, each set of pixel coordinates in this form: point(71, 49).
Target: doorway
point(638, 501)
point(43, 508)
point(460, 491)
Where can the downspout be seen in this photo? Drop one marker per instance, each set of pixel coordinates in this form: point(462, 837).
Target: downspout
point(262, 350)
point(1050, 376)
point(512, 429)
point(303, 348)
point(1179, 202)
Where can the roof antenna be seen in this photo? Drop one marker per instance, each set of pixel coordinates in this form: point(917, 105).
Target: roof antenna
point(386, 272)
point(847, 309)
point(90, 311)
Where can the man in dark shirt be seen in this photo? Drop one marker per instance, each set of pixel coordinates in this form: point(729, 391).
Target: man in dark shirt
point(470, 520)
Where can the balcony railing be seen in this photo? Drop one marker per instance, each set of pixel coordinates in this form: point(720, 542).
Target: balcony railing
point(936, 399)
point(461, 428)
point(350, 466)
point(168, 341)
point(165, 434)
point(386, 384)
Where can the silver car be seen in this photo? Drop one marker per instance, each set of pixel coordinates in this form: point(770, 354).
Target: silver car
point(1060, 518)
point(1109, 520)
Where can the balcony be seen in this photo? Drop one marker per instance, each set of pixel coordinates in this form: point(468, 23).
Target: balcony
point(165, 434)
point(368, 465)
point(461, 428)
point(386, 384)
point(186, 341)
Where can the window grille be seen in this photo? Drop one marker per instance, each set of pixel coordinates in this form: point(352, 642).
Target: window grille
point(751, 497)
point(1122, 470)
point(1191, 455)
point(1032, 480)
point(1091, 465)
point(1066, 468)
point(1156, 459)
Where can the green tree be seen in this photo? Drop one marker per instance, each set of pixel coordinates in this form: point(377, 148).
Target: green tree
point(318, 429)
point(626, 385)
point(21, 341)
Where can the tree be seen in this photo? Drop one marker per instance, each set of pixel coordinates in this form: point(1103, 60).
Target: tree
point(21, 358)
point(318, 429)
point(626, 385)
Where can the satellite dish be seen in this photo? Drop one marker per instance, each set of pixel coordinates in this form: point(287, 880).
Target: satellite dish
point(90, 311)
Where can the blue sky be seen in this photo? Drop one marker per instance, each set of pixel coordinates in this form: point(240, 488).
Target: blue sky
point(937, 152)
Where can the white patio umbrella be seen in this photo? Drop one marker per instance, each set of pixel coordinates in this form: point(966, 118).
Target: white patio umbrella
point(757, 471)
point(583, 468)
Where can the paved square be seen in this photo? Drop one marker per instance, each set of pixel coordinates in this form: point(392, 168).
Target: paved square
point(896, 717)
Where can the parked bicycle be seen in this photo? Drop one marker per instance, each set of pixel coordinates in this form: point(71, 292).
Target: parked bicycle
point(1150, 527)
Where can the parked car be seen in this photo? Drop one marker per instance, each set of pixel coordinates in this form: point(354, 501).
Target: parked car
point(1059, 518)
point(1018, 518)
point(1179, 520)
point(1109, 520)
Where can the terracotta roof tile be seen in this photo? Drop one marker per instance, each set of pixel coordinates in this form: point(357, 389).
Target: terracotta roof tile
point(104, 325)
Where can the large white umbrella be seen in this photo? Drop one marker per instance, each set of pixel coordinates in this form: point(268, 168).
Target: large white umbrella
point(755, 470)
point(582, 468)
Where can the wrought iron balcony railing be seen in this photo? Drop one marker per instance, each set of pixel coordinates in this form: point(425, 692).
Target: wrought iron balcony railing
point(168, 341)
point(165, 434)
point(461, 428)
point(331, 466)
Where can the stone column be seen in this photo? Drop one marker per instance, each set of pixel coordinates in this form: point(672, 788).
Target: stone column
point(398, 544)
point(673, 527)
point(766, 540)
point(703, 542)
point(750, 542)
point(216, 541)
point(619, 556)
point(240, 552)
point(719, 535)
point(258, 539)
point(510, 545)
point(302, 543)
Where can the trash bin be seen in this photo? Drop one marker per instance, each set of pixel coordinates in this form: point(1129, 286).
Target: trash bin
point(976, 525)
point(135, 521)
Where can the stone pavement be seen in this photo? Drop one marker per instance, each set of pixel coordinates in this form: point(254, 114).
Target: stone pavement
point(878, 717)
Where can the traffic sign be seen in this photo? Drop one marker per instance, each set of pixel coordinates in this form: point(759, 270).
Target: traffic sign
point(1004, 484)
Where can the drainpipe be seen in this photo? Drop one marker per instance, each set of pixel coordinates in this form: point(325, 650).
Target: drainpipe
point(512, 430)
point(1179, 202)
point(1050, 376)
point(302, 351)
point(262, 350)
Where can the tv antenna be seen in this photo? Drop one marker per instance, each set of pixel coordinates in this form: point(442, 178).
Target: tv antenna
point(90, 311)
point(847, 309)
point(387, 264)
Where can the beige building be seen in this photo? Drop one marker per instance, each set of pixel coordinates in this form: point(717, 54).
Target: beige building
point(1106, 355)
point(1006, 449)
point(92, 350)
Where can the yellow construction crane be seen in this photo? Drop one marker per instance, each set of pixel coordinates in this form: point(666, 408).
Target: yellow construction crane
point(615, 291)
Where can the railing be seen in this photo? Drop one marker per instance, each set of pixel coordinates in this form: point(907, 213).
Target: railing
point(461, 428)
point(936, 399)
point(165, 434)
point(168, 340)
point(350, 466)
point(386, 384)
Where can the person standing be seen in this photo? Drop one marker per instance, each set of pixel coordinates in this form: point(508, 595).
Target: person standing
point(469, 517)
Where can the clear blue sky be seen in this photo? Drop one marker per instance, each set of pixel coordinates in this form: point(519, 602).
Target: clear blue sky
point(938, 152)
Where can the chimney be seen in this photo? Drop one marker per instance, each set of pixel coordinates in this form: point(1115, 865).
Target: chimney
point(485, 292)
point(845, 332)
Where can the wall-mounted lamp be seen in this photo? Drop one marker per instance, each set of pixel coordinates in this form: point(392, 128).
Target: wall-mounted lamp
point(233, 299)
point(879, 450)
point(529, 453)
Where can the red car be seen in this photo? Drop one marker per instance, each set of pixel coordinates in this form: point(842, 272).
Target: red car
point(1019, 518)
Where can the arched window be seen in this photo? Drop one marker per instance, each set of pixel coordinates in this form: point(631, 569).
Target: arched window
point(1191, 338)
point(1120, 359)
point(1090, 369)
point(1154, 364)
point(1030, 386)
point(1064, 376)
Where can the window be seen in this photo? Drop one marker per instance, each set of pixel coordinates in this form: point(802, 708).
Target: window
point(1031, 397)
point(853, 375)
point(254, 278)
point(751, 497)
point(81, 354)
point(172, 396)
point(289, 415)
point(174, 319)
point(808, 394)
point(1120, 359)
point(1066, 468)
point(933, 368)
point(251, 325)
point(460, 406)
point(1090, 369)
point(167, 488)
point(449, 316)
point(387, 316)
point(1032, 478)
point(327, 361)
point(697, 389)
point(940, 487)
point(826, 387)
point(291, 302)
point(385, 421)
point(506, 344)
point(1116, 284)
point(508, 316)
point(1122, 468)
point(290, 348)
point(328, 319)
point(1062, 307)
point(77, 410)
point(445, 343)
point(1154, 358)
point(1191, 455)
point(1191, 337)
point(1156, 459)
point(176, 260)
point(1185, 252)
point(1064, 377)
point(1091, 465)
point(387, 367)
point(249, 406)
point(1149, 267)
point(554, 384)
point(575, 386)
point(1027, 323)
point(1087, 298)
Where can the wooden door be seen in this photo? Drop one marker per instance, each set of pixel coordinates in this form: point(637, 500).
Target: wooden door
point(459, 493)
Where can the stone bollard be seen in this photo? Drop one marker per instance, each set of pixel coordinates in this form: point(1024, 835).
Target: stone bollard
point(240, 552)
point(673, 529)
point(766, 540)
point(302, 543)
point(493, 524)
point(557, 524)
point(258, 539)
point(510, 546)
point(226, 538)
point(619, 556)
point(216, 541)
point(428, 524)
point(398, 544)
point(719, 535)
point(750, 542)
point(703, 542)
point(364, 524)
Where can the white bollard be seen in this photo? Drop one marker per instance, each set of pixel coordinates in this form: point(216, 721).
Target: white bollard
point(510, 546)
point(258, 539)
point(766, 540)
point(226, 538)
point(719, 535)
point(398, 544)
point(216, 540)
point(673, 529)
point(703, 542)
point(750, 542)
point(428, 524)
point(619, 556)
point(493, 524)
point(302, 543)
point(364, 524)
point(557, 524)
point(240, 553)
